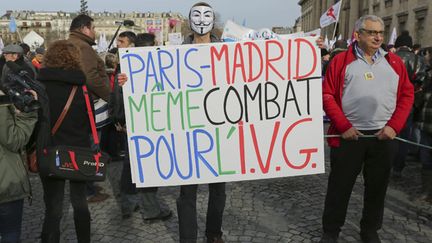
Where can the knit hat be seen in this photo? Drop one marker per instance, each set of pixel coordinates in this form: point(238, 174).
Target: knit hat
point(12, 48)
point(403, 40)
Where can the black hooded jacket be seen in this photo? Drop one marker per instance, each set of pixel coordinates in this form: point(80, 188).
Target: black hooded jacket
point(75, 129)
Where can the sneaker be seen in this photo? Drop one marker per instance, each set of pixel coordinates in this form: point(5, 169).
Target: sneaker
point(329, 238)
point(164, 214)
point(98, 197)
point(370, 237)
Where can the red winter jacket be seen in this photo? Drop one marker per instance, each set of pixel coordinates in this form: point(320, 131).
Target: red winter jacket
point(333, 90)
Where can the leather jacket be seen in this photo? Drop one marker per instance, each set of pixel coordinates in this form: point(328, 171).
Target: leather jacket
point(415, 65)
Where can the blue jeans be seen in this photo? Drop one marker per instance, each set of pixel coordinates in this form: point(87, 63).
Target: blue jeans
point(10, 221)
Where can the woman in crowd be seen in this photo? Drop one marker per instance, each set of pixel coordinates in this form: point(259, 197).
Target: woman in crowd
point(61, 71)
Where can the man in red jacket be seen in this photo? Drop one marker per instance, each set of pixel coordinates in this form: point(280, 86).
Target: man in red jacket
point(366, 91)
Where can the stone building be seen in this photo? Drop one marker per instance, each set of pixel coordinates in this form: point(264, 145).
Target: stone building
point(55, 25)
point(412, 15)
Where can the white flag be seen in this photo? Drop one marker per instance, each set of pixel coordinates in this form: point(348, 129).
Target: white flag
point(393, 37)
point(1, 45)
point(331, 15)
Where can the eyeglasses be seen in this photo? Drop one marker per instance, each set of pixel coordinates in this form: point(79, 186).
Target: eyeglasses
point(373, 32)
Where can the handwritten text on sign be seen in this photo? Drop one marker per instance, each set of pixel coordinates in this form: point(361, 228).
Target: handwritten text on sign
point(223, 111)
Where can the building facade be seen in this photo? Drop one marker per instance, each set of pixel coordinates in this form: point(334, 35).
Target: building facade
point(412, 15)
point(55, 25)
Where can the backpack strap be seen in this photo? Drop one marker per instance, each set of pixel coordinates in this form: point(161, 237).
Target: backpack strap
point(65, 110)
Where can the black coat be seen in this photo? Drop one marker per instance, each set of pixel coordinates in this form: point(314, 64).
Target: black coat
point(75, 129)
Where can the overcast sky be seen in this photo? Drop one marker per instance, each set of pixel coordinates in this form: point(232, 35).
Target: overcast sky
point(256, 13)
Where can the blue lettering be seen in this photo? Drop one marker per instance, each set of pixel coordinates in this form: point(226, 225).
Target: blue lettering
point(132, 72)
point(140, 156)
point(192, 69)
point(198, 153)
point(162, 68)
point(178, 68)
point(189, 155)
point(151, 67)
point(164, 140)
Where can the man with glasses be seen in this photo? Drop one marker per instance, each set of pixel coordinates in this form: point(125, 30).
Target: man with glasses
point(366, 91)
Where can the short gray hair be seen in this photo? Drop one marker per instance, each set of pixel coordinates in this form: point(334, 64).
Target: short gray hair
point(360, 23)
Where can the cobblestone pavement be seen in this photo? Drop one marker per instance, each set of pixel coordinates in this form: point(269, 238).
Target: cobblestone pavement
point(274, 210)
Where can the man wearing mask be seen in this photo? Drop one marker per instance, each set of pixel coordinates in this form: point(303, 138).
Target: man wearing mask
point(201, 17)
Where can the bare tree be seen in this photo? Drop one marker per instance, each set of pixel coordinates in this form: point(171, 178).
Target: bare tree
point(84, 7)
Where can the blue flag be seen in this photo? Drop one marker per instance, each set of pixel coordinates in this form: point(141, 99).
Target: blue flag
point(12, 25)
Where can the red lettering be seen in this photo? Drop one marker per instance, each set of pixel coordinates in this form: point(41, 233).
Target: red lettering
point(264, 168)
point(289, 59)
point(241, 148)
point(238, 55)
point(308, 152)
point(315, 60)
point(252, 46)
point(270, 60)
point(218, 55)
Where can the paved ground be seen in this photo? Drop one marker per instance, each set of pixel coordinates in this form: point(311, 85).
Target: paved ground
point(276, 210)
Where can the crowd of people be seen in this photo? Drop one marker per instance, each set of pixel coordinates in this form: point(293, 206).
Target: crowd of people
point(399, 104)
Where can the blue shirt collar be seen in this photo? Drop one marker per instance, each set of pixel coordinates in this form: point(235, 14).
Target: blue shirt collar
point(360, 53)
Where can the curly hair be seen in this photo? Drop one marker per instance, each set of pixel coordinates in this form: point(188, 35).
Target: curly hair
point(62, 54)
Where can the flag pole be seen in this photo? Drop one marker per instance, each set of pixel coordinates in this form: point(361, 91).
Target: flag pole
point(334, 31)
point(337, 21)
point(19, 35)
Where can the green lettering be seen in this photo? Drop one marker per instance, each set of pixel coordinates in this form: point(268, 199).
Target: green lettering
point(189, 108)
point(153, 111)
point(138, 109)
point(174, 100)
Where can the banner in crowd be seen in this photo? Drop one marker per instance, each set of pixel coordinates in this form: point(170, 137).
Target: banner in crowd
point(331, 15)
point(223, 111)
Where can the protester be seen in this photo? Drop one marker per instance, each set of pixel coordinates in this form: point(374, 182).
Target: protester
point(366, 91)
point(325, 58)
point(416, 69)
point(62, 71)
point(416, 48)
point(37, 60)
point(338, 47)
point(27, 53)
point(423, 102)
point(15, 131)
point(83, 34)
point(14, 53)
point(127, 188)
point(151, 208)
point(201, 17)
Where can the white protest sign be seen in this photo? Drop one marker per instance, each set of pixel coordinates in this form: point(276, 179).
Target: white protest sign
point(233, 32)
point(175, 38)
point(223, 111)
